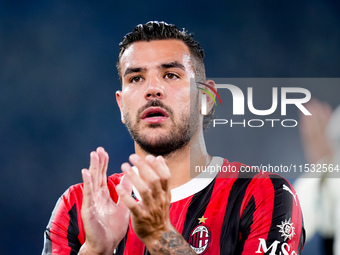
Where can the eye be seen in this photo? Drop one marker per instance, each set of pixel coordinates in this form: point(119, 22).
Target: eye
point(135, 79)
point(171, 76)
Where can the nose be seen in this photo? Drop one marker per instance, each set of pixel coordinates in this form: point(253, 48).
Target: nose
point(155, 90)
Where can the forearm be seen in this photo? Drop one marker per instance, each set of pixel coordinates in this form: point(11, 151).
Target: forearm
point(150, 216)
point(170, 242)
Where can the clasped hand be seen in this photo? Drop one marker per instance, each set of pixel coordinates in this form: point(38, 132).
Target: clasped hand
point(105, 222)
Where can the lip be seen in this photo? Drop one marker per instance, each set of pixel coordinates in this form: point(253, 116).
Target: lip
point(154, 119)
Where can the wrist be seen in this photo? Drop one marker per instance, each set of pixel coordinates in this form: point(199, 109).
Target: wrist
point(168, 241)
point(153, 238)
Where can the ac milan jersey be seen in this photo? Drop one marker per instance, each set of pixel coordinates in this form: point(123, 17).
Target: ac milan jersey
point(242, 213)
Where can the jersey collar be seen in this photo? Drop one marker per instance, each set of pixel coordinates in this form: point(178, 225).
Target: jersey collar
point(191, 187)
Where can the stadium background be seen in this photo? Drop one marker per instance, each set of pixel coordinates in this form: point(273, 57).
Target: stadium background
point(58, 79)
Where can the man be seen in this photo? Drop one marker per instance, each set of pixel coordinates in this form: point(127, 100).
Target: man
point(169, 212)
point(320, 137)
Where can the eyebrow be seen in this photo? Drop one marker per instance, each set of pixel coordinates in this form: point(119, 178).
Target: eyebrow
point(134, 70)
point(173, 64)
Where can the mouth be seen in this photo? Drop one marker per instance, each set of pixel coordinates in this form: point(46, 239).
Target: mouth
point(154, 115)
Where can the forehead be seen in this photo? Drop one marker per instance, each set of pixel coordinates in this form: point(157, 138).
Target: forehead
point(154, 53)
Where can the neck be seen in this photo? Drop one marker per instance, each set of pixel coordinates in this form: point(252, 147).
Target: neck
point(182, 162)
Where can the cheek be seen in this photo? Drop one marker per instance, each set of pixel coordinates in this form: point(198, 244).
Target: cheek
point(182, 100)
point(130, 99)
point(181, 96)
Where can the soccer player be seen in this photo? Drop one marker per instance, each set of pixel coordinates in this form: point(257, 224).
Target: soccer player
point(167, 211)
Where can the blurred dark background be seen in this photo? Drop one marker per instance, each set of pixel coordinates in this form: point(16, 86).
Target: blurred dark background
point(58, 83)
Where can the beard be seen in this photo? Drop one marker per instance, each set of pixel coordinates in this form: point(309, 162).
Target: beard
point(175, 139)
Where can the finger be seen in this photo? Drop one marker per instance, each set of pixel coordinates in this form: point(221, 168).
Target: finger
point(87, 188)
point(143, 189)
point(94, 168)
point(100, 152)
point(126, 184)
point(147, 174)
point(160, 168)
point(106, 165)
point(125, 200)
point(103, 165)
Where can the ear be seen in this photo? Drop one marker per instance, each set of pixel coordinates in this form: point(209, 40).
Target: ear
point(120, 104)
point(209, 100)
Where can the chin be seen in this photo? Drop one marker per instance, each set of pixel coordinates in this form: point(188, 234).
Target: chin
point(154, 139)
point(155, 132)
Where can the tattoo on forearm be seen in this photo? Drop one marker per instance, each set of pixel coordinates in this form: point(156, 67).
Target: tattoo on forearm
point(172, 243)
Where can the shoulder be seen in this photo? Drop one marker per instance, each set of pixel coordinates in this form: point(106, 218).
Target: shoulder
point(267, 206)
point(253, 182)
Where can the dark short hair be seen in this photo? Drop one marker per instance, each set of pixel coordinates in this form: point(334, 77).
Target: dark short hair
point(155, 30)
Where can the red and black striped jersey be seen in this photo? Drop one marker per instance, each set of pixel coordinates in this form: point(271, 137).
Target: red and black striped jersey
point(232, 213)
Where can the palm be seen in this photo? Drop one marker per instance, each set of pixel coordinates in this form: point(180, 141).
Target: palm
point(105, 222)
point(105, 219)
